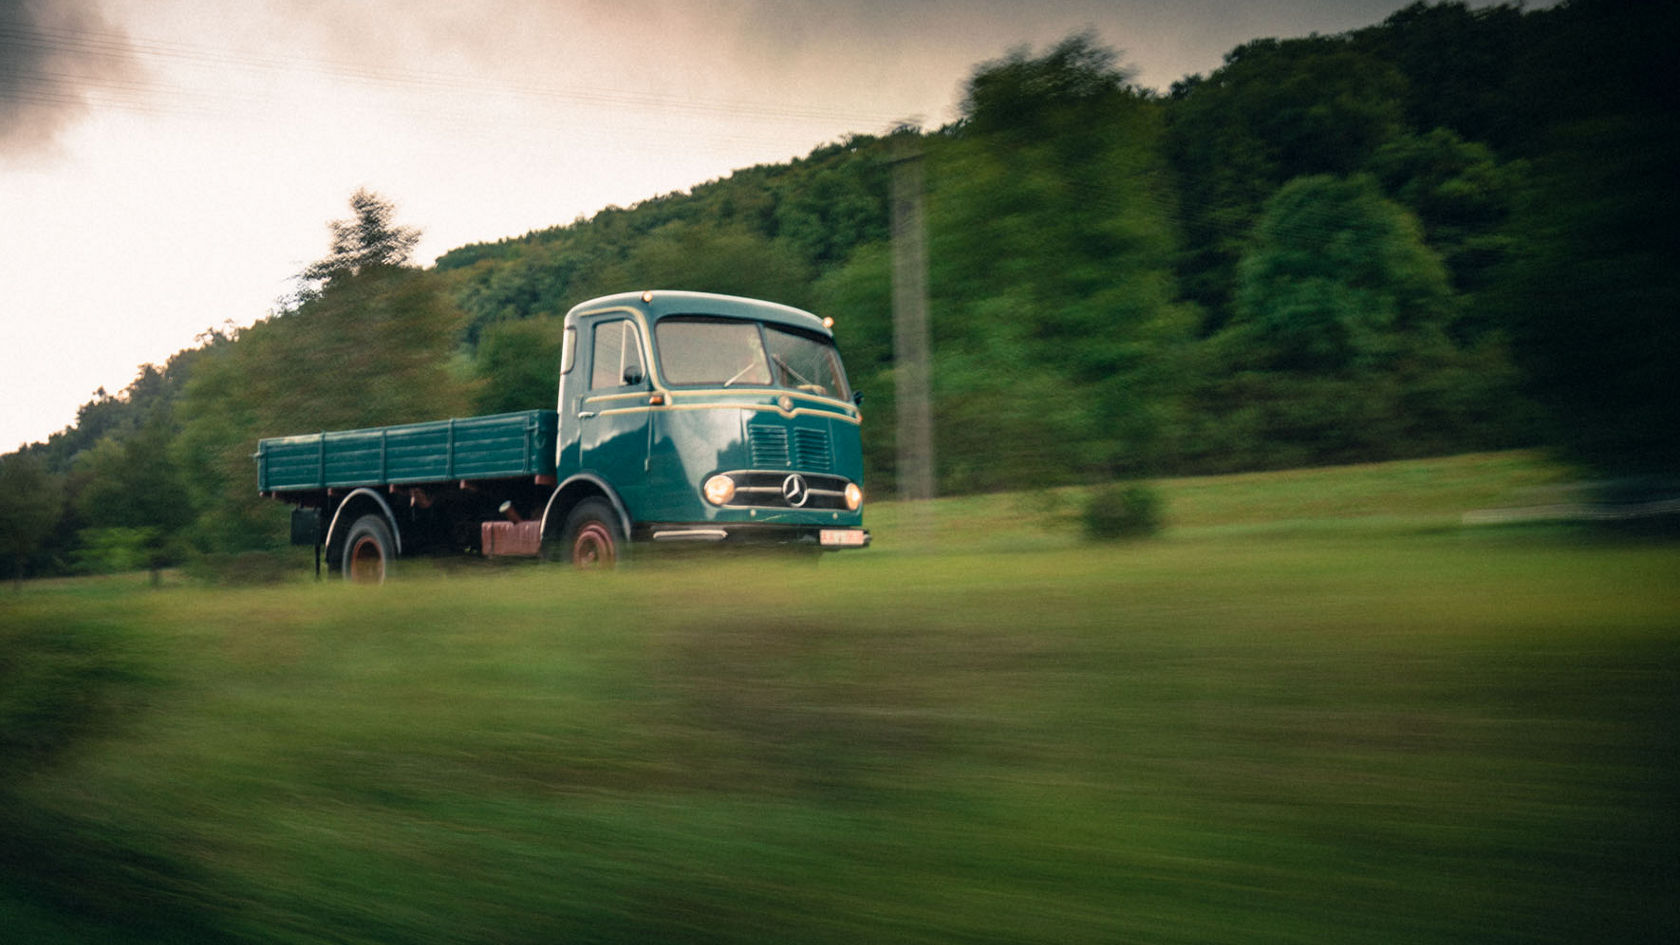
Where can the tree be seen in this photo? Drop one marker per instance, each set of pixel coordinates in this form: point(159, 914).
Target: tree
point(1276, 110)
point(367, 240)
point(1031, 96)
point(129, 494)
point(1058, 339)
point(518, 363)
point(529, 281)
point(1339, 348)
point(1458, 63)
point(1463, 195)
point(830, 210)
point(1591, 297)
point(707, 258)
point(375, 345)
point(30, 501)
point(1339, 279)
point(858, 296)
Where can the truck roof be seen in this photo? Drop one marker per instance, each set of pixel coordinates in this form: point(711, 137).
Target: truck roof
point(661, 303)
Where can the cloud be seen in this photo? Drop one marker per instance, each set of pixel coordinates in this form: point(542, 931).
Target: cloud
point(56, 58)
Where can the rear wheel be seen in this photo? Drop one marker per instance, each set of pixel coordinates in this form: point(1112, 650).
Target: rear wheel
point(369, 550)
point(593, 538)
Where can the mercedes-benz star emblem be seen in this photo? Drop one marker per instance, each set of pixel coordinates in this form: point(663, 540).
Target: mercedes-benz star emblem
point(795, 491)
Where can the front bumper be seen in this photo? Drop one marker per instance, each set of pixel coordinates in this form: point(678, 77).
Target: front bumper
point(738, 533)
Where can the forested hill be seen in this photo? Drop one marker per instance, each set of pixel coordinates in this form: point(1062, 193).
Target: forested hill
point(1447, 231)
point(1331, 248)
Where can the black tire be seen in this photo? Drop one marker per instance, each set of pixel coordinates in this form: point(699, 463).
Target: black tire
point(593, 539)
point(369, 551)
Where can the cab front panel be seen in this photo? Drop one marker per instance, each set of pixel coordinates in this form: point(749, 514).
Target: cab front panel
point(759, 438)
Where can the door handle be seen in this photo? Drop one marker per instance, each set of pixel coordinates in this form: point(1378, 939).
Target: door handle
point(585, 414)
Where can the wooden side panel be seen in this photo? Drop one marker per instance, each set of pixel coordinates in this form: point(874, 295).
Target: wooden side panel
point(502, 446)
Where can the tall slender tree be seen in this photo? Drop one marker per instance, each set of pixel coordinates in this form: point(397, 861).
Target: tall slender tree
point(368, 239)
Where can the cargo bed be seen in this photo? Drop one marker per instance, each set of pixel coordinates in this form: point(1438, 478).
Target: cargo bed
point(501, 446)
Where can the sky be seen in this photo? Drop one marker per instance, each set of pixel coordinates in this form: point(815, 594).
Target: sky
point(167, 167)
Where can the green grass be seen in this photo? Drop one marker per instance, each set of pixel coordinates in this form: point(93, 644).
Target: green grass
point(1429, 494)
point(1315, 710)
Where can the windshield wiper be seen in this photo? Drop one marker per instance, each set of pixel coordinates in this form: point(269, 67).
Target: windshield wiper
point(738, 374)
point(803, 381)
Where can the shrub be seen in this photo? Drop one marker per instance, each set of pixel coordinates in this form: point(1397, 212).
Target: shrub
point(1122, 510)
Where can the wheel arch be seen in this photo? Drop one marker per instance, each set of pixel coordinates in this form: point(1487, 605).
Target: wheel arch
point(358, 503)
point(574, 490)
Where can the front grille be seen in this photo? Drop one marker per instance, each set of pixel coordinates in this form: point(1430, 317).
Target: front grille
point(760, 489)
point(810, 450)
point(769, 445)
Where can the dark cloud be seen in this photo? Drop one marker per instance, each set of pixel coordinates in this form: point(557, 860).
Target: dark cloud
point(55, 55)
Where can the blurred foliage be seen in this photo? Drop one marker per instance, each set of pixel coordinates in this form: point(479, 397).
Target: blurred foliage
point(727, 259)
point(1342, 347)
point(1060, 343)
point(372, 349)
point(1337, 281)
point(1445, 232)
point(1592, 299)
point(1462, 196)
point(1122, 510)
point(1275, 111)
point(128, 492)
point(373, 346)
point(115, 549)
point(30, 500)
point(518, 363)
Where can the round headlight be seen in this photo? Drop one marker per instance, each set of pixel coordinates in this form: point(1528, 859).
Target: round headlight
point(720, 489)
point(854, 496)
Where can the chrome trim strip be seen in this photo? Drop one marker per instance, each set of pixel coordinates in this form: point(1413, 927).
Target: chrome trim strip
point(594, 398)
point(763, 408)
point(691, 534)
point(777, 490)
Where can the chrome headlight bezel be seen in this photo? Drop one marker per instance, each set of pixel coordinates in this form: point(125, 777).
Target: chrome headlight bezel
point(719, 490)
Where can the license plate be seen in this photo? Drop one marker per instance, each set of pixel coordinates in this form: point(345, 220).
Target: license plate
point(843, 537)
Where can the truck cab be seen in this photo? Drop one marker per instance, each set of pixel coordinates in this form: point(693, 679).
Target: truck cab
point(691, 417)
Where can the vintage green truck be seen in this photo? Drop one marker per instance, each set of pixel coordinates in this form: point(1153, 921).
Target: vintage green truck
point(682, 417)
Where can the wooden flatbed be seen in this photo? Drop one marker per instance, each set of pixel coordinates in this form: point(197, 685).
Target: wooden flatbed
point(499, 446)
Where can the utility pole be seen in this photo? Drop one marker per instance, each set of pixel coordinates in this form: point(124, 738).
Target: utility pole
point(911, 362)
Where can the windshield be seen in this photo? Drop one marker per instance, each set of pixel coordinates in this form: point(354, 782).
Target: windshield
point(702, 351)
point(806, 362)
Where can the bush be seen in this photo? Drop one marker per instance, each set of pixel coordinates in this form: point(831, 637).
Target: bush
point(1122, 510)
point(116, 550)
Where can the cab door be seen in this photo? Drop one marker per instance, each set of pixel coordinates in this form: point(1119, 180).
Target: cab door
point(612, 411)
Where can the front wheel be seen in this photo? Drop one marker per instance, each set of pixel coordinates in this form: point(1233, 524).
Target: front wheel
point(592, 538)
point(369, 550)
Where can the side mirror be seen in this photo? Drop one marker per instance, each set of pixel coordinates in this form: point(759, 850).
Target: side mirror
point(633, 375)
point(857, 397)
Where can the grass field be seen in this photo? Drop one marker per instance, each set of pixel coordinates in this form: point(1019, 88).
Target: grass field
point(1317, 709)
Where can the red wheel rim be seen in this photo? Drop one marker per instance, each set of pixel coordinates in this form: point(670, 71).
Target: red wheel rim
point(594, 547)
point(367, 561)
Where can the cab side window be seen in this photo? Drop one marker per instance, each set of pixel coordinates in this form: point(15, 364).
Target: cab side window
point(616, 358)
